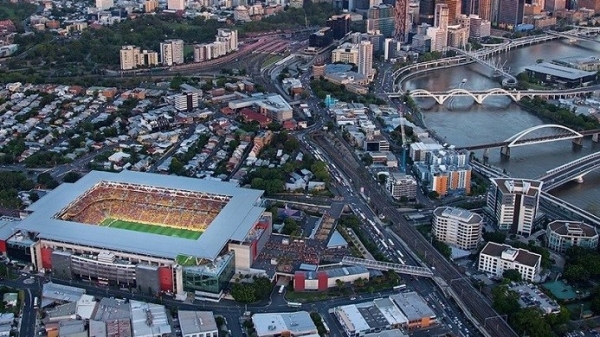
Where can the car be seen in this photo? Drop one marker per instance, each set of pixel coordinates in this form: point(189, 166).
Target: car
point(352, 298)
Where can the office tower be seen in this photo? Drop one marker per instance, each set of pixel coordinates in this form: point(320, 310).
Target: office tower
point(426, 9)
point(402, 22)
point(469, 6)
point(454, 9)
point(589, 4)
point(346, 53)
point(510, 13)
point(485, 9)
point(176, 5)
point(104, 4)
point(514, 203)
point(321, 38)
point(457, 227)
point(441, 16)
point(365, 58)
point(171, 52)
point(381, 18)
point(554, 5)
point(339, 25)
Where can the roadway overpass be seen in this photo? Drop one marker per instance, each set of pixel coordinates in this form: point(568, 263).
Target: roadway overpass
point(550, 203)
point(453, 283)
point(385, 266)
point(573, 171)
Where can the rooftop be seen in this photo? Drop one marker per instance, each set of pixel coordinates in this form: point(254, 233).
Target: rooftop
point(298, 323)
point(233, 222)
point(518, 186)
point(458, 213)
point(149, 319)
point(53, 292)
point(412, 305)
point(195, 322)
point(523, 256)
point(559, 71)
point(572, 228)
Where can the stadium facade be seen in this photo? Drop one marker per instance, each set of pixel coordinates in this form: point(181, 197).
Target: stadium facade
point(133, 230)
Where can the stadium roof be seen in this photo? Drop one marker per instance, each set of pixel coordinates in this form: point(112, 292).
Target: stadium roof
point(233, 222)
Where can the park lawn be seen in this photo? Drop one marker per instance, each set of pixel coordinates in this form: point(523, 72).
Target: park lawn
point(153, 229)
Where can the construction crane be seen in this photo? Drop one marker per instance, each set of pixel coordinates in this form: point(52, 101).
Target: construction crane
point(404, 140)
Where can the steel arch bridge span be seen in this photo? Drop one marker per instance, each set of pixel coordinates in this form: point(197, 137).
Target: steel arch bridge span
point(478, 97)
point(519, 139)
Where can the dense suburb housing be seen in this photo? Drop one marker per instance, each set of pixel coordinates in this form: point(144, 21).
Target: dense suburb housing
point(164, 233)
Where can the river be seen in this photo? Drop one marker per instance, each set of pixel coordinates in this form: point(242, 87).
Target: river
point(461, 122)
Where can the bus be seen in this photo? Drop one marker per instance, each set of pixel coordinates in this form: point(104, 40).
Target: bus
point(294, 304)
point(400, 287)
point(36, 302)
point(281, 289)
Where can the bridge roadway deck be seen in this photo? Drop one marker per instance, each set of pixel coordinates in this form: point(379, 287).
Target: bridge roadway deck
point(571, 171)
point(545, 196)
point(479, 307)
point(385, 266)
point(526, 141)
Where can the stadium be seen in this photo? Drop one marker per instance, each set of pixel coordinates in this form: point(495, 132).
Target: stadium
point(153, 232)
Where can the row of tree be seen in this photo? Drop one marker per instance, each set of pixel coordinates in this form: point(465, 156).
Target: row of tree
point(248, 292)
point(528, 321)
point(558, 115)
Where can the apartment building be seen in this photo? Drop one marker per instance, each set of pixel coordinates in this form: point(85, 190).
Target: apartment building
point(496, 258)
point(513, 203)
point(457, 227)
point(562, 234)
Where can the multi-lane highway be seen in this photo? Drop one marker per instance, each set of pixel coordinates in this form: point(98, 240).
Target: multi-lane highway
point(455, 283)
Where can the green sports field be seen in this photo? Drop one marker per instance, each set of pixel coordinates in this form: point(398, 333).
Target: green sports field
point(154, 229)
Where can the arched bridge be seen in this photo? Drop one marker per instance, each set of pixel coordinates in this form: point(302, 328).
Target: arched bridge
point(574, 170)
point(479, 96)
point(536, 135)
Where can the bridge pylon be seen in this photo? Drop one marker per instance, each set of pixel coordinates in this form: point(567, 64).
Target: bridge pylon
point(577, 142)
point(505, 151)
point(596, 137)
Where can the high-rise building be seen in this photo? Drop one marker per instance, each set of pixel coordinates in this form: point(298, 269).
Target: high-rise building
point(441, 16)
point(402, 186)
point(365, 58)
point(346, 53)
point(150, 6)
point(510, 13)
point(426, 11)
point(514, 203)
point(321, 39)
point(186, 101)
point(104, 4)
point(176, 5)
point(449, 171)
point(454, 9)
point(129, 56)
point(340, 25)
point(589, 4)
point(485, 9)
point(229, 37)
point(402, 20)
point(554, 5)
point(171, 52)
point(457, 227)
point(381, 18)
point(458, 36)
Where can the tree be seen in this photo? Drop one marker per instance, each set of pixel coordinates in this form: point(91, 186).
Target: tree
point(359, 282)
point(290, 227)
point(512, 275)
point(219, 320)
point(505, 301)
point(367, 159)
point(47, 180)
point(176, 166)
point(339, 284)
point(71, 177)
point(497, 237)
point(243, 292)
point(433, 195)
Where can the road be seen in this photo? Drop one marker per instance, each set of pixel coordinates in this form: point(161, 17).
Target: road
point(478, 306)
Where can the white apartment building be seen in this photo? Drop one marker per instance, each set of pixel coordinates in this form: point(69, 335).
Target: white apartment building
point(345, 53)
point(495, 258)
point(514, 203)
point(104, 4)
point(561, 235)
point(401, 185)
point(171, 52)
point(176, 5)
point(457, 227)
point(226, 42)
point(365, 58)
point(131, 57)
